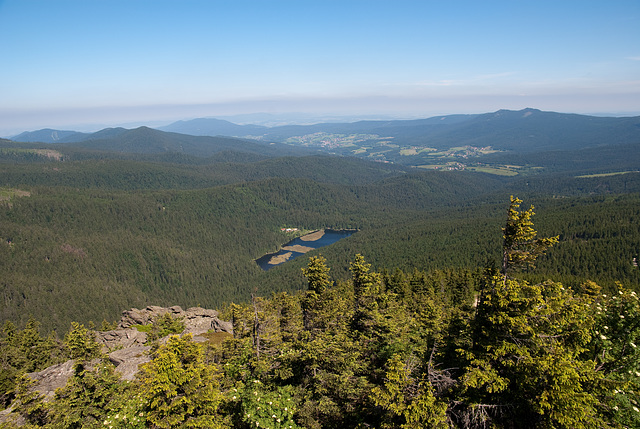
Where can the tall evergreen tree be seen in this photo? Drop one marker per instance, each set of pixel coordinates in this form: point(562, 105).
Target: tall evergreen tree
point(520, 246)
point(180, 389)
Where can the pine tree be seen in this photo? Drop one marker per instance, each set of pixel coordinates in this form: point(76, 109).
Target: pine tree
point(80, 343)
point(181, 390)
point(317, 274)
point(520, 246)
point(525, 363)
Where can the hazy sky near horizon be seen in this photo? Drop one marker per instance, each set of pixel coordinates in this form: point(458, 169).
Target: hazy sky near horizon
point(72, 62)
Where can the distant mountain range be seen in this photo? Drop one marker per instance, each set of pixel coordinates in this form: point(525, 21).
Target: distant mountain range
point(144, 140)
point(526, 130)
point(411, 142)
point(48, 135)
point(133, 217)
point(214, 127)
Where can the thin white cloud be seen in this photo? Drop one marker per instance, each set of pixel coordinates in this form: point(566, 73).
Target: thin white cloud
point(444, 82)
point(462, 82)
point(494, 76)
point(636, 58)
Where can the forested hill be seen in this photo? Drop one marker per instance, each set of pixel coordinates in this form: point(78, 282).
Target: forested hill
point(126, 218)
point(69, 168)
point(527, 130)
point(84, 254)
point(46, 135)
point(82, 241)
point(144, 140)
point(377, 348)
point(214, 127)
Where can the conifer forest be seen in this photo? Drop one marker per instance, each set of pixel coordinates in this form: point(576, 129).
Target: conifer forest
point(465, 297)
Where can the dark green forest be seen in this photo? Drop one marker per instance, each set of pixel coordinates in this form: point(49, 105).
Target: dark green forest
point(415, 320)
point(408, 349)
point(91, 234)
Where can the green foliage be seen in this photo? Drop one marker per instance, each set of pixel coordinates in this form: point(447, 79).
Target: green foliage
point(262, 407)
point(106, 326)
point(80, 343)
point(525, 364)
point(410, 402)
point(614, 348)
point(528, 338)
point(23, 351)
point(127, 410)
point(164, 325)
point(520, 246)
point(452, 347)
point(180, 389)
point(85, 400)
point(33, 351)
point(364, 283)
point(529, 353)
point(317, 274)
point(32, 407)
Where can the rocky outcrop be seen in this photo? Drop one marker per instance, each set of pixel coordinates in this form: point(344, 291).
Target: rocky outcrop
point(200, 320)
point(127, 360)
point(52, 378)
point(125, 347)
point(146, 316)
point(197, 320)
point(121, 338)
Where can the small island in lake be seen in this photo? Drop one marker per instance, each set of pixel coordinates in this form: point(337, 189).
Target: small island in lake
point(280, 258)
point(313, 236)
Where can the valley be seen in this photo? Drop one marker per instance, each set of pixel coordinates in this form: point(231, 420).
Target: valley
point(319, 215)
point(390, 250)
point(162, 218)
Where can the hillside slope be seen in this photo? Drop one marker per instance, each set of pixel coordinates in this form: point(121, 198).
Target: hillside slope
point(527, 130)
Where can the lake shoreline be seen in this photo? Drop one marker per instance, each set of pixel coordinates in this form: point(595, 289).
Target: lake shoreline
point(303, 244)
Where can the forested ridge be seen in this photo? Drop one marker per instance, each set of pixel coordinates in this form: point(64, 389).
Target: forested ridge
point(96, 236)
point(415, 320)
point(404, 349)
point(503, 142)
point(526, 130)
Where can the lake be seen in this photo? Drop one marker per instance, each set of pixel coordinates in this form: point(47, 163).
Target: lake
point(301, 245)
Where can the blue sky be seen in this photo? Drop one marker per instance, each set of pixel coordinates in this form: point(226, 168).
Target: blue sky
point(89, 63)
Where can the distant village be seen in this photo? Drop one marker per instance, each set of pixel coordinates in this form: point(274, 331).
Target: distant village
point(288, 229)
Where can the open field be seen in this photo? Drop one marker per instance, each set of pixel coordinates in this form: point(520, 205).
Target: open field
point(494, 170)
point(606, 174)
point(6, 194)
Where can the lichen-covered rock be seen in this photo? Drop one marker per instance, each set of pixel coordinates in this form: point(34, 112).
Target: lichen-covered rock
point(121, 338)
point(197, 320)
point(52, 378)
point(127, 360)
